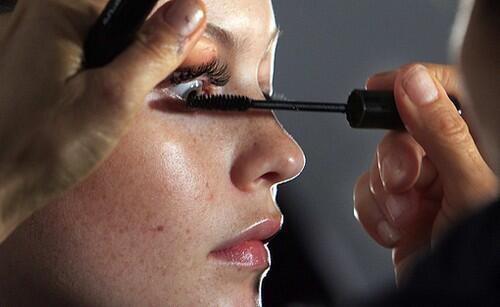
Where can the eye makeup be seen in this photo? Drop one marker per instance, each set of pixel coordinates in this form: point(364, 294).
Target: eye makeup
point(203, 79)
point(217, 73)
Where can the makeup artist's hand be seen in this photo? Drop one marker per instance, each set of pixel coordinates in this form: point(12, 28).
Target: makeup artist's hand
point(423, 181)
point(57, 121)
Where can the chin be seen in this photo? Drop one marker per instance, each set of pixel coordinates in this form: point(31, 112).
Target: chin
point(243, 299)
point(243, 295)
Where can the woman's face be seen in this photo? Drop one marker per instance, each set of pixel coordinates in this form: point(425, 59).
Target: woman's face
point(179, 214)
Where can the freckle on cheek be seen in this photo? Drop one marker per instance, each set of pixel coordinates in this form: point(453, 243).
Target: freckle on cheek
point(123, 230)
point(160, 228)
point(210, 195)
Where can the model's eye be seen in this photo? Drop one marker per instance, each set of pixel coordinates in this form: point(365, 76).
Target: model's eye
point(185, 89)
point(207, 78)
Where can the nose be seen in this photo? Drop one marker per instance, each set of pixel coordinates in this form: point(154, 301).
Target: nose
point(268, 155)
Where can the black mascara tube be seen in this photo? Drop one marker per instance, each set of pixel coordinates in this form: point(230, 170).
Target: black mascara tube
point(114, 30)
point(377, 110)
point(7, 6)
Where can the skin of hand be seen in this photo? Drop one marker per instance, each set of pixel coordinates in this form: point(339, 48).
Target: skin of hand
point(57, 121)
point(422, 181)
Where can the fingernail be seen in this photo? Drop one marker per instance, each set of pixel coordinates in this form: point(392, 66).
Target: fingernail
point(420, 86)
point(184, 16)
point(392, 171)
point(396, 206)
point(388, 234)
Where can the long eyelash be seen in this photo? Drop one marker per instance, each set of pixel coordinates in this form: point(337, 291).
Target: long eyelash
point(217, 73)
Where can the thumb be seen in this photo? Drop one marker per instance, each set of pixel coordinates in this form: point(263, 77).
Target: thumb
point(160, 47)
point(433, 120)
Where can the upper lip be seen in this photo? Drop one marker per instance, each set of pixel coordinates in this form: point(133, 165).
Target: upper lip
point(263, 231)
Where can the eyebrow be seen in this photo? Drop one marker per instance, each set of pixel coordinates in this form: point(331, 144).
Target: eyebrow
point(229, 40)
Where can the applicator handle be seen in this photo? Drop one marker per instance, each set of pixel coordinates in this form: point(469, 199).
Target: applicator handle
point(114, 30)
point(377, 110)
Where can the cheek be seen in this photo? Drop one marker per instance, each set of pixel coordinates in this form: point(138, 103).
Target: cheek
point(152, 205)
point(155, 182)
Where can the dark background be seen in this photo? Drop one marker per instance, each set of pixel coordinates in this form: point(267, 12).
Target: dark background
point(328, 48)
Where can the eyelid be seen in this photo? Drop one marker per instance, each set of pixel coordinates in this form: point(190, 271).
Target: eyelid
point(216, 71)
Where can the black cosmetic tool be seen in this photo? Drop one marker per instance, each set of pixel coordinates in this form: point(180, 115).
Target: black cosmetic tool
point(113, 31)
point(7, 6)
point(364, 109)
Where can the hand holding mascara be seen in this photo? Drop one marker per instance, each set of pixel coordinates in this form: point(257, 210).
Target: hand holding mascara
point(421, 183)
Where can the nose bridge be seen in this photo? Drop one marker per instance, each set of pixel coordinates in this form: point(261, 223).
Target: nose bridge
point(246, 80)
point(267, 155)
point(254, 92)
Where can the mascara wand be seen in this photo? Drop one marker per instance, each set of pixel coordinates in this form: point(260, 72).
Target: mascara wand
point(243, 103)
point(364, 109)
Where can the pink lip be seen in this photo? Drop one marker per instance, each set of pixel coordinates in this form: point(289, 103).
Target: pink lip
point(249, 249)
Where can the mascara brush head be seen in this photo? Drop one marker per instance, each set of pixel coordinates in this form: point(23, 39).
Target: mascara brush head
point(219, 102)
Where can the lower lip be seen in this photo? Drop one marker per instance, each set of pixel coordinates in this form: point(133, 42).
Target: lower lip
point(249, 254)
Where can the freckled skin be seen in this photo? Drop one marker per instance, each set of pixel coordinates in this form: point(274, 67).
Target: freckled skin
point(139, 230)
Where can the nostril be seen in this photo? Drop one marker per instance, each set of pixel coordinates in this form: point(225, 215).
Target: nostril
point(272, 177)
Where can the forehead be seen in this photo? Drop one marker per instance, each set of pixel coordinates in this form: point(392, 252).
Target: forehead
point(242, 18)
